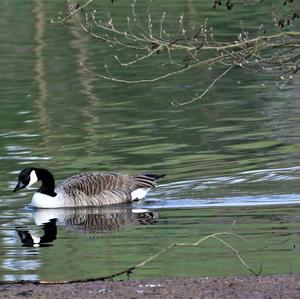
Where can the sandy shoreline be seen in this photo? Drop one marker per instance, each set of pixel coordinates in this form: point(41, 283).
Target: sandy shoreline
point(271, 286)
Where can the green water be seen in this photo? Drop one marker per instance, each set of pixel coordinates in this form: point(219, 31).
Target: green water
point(231, 158)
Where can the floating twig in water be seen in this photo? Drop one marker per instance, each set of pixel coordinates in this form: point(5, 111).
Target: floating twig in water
point(128, 271)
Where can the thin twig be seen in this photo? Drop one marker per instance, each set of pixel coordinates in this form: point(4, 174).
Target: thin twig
point(176, 103)
point(75, 11)
point(111, 78)
point(155, 50)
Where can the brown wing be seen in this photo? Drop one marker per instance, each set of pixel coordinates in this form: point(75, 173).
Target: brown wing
point(89, 189)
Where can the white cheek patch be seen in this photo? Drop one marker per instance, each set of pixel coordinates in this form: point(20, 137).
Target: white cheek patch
point(33, 178)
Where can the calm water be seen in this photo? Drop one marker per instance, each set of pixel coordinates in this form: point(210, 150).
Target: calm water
point(232, 159)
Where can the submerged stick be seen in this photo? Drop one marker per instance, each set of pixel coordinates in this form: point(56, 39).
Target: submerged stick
point(129, 270)
point(213, 236)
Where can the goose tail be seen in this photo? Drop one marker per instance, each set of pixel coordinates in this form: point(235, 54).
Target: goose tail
point(148, 179)
point(143, 183)
point(155, 176)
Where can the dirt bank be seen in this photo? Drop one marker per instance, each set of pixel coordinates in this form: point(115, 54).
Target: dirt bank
point(274, 286)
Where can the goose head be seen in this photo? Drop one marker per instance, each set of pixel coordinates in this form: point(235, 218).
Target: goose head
point(26, 178)
point(31, 175)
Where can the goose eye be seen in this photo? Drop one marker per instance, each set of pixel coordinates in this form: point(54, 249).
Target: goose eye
point(25, 179)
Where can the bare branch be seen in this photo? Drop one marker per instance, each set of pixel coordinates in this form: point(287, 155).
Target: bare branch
point(197, 46)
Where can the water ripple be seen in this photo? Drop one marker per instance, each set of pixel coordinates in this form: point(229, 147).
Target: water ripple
point(243, 201)
point(247, 188)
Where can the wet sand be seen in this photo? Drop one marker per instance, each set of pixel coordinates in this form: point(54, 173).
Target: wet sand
point(267, 287)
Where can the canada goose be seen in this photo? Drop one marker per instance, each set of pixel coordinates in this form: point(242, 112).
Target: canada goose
point(85, 189)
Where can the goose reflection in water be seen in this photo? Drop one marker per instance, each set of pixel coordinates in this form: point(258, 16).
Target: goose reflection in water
point(30, 239)
point(87, 220)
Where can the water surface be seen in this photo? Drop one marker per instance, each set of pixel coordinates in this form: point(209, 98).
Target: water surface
point(231, 159)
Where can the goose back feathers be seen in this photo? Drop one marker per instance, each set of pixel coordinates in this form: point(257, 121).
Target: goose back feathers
point(85, 189)
point(88, 189)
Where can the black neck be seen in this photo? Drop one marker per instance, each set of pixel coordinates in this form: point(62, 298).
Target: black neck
point(48, 184)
